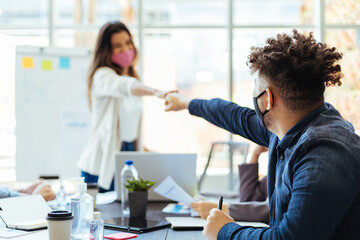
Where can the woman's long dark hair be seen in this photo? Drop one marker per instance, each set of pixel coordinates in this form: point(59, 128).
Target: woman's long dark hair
point(103, 52)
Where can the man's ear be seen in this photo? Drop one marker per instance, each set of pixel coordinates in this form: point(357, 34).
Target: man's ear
point(270, 99)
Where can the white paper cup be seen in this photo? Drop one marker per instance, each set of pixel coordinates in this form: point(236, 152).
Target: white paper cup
point(59, 225)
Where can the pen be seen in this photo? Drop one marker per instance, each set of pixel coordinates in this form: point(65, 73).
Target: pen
point(220, 202)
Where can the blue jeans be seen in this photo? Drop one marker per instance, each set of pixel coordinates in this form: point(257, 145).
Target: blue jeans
point(89, 178)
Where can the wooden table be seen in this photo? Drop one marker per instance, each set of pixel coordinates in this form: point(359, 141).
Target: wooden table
point(153, 212)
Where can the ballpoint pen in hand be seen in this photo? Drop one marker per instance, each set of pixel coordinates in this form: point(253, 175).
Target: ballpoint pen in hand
point(220, 202)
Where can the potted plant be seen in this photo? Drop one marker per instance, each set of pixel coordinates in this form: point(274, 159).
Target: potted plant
point(138, 196)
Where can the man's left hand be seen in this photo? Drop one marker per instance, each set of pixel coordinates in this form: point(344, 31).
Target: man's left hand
point(216, 220)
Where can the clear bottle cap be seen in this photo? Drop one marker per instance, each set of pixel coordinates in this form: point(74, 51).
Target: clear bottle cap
point(97, 216)
point(129, 162)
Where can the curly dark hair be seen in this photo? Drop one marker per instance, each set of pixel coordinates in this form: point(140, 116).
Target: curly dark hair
point(298, 67)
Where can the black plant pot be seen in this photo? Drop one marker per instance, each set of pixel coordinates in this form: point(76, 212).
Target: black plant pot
point(137, 204)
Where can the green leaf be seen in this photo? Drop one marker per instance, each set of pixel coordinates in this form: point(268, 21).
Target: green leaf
point(135, 185)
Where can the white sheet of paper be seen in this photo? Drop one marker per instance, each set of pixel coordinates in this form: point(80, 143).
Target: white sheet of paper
point(168, 188)
point(11, 233)
point(106, 198)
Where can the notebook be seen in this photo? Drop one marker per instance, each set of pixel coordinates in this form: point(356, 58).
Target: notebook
point(24, 212)
point(194, 223)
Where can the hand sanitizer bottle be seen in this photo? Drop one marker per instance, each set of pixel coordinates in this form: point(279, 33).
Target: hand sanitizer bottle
point(82, 208)
point(97, 227)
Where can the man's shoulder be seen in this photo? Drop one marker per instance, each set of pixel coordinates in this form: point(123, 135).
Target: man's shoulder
point(331, 126)
point(329, 143)
point(332, 145)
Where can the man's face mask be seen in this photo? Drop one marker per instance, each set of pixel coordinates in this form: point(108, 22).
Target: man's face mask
point(259, 114)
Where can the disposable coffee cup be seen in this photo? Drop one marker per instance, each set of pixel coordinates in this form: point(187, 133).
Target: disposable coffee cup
point(59, 225)
point(92, 190)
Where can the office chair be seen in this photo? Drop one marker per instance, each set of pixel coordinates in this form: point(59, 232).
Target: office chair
point(234, 148)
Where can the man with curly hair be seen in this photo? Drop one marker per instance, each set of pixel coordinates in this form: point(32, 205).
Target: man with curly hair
point(314, 155)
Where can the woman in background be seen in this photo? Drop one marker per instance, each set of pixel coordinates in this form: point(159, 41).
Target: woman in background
point(114, 92)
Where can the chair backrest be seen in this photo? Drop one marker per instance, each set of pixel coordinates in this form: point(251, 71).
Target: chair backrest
point(236, 153)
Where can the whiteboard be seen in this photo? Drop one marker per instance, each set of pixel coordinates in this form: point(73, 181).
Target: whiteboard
point(52, 114)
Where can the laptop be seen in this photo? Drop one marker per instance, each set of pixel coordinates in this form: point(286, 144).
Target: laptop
point(24, 212)
point(156, 167)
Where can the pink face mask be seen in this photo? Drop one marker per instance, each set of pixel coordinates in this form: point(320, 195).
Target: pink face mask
point(123, 59)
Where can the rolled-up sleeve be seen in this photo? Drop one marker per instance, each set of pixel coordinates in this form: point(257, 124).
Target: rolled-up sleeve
point(6, 192)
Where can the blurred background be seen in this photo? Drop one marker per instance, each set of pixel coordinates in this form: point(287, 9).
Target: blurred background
point(197, 46)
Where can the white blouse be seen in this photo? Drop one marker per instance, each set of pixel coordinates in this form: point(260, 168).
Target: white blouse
point(116, 116)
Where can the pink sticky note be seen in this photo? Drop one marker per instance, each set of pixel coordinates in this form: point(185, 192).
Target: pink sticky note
point(121, 236)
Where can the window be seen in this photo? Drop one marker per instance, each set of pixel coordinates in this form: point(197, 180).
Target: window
point(185, 45)
point(185, 12)
point(275, 12)
point(176, 67)
point(343, 32)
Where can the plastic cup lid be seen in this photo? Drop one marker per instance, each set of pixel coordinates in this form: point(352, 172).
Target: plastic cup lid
point(59, 215)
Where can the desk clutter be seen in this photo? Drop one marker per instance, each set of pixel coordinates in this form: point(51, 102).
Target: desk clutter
point(76, 220)
point(72, 215)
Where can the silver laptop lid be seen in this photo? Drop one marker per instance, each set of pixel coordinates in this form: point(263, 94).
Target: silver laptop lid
point(156, 167)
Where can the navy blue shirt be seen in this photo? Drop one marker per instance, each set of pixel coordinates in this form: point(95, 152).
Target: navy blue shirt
point(313, 173)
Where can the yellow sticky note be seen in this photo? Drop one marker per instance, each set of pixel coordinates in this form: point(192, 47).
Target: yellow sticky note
point(46, 65)
point(27, 62)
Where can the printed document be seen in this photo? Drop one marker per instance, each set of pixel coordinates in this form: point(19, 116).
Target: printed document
point(171, 190)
